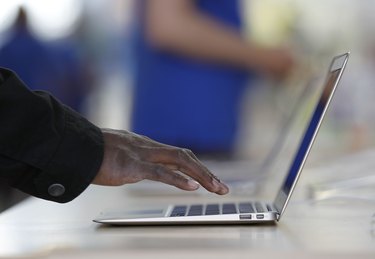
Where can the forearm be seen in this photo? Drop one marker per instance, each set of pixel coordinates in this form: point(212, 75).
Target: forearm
point(44, 143)
point(180, 28)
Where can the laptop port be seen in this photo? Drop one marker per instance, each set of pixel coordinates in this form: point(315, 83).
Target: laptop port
point(245, 216)
point(260, 216)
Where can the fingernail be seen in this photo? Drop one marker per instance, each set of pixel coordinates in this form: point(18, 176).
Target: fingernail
point(225, 189)
point(218, 186)
point(193, 184)
point(222, 188)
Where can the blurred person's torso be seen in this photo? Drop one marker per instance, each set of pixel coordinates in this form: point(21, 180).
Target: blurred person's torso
point(184, 102)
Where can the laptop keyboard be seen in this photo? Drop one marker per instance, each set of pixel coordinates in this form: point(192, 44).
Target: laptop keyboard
point(217, 209)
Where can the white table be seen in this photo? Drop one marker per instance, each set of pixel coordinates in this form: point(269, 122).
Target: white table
point(322, 229)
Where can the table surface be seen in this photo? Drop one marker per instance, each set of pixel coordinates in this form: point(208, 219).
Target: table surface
point(326, 226)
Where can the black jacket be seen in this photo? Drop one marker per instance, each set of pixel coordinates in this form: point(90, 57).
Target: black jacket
point(46, 149)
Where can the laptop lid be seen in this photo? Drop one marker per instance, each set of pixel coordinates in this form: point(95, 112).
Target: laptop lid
point(334, 75)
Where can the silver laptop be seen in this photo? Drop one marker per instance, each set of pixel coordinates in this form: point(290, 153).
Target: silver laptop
point(243, 212)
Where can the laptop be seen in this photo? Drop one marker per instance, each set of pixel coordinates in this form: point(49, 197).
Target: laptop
point(242, 212)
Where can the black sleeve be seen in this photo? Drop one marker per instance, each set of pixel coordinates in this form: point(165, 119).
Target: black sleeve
point(46, 149)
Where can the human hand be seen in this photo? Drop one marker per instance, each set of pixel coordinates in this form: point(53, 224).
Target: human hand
point(277, 62)
point(130, 158)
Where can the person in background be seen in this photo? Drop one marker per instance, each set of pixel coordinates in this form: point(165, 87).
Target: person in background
point(51, 66)
point(193, 67)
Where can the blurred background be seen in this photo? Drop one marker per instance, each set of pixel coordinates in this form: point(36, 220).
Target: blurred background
point(92, 55)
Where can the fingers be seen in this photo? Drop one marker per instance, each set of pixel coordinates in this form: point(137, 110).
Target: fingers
point(186, 162)
point(162, 174)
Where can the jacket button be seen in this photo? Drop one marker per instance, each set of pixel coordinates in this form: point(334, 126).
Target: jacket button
point(56, 190)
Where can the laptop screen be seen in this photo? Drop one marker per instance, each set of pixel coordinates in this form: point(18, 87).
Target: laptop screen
point(334, 74)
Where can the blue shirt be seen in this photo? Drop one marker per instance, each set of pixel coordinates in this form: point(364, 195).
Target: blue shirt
point(184, 102)
point(45, 66)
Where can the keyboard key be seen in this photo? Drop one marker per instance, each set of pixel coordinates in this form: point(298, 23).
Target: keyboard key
point(229, 208)
point(195, 210)
point(259, 207)
point(212, 209)
point(179, 211)
point(246, 207)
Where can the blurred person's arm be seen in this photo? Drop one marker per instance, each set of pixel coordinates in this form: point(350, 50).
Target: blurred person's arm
point(49, 151)
point(178, 26)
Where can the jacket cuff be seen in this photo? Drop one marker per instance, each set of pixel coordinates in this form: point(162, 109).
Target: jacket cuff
point(1, 78)
point(75, 163)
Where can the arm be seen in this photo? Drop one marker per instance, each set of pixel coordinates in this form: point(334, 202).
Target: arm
point(49, 151)
point(46, 149)
point(177, 26)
